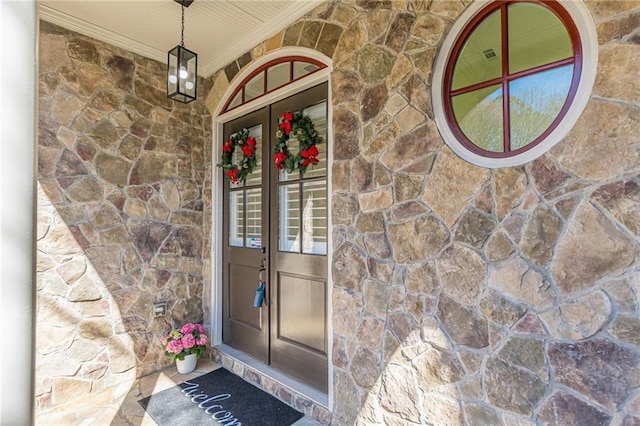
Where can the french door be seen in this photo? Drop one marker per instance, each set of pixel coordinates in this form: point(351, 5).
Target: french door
point(275, 230)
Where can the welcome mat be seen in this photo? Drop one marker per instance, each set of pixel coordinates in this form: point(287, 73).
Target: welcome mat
point(219, 397)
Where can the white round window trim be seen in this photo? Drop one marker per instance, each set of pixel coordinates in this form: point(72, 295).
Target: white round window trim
point(586, 28)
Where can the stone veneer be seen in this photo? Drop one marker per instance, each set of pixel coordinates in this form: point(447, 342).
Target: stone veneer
point(464, 295)
point(121, 220)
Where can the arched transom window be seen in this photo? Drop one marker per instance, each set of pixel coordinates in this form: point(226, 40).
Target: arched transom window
point(272, 76)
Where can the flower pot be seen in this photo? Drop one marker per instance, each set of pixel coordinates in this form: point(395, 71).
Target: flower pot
point(187, 365)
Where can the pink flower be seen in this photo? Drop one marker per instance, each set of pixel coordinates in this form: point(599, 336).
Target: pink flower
point(200, 328)
point(202, 341)
point(188, 328)
point(175, 346)
point(188, 341)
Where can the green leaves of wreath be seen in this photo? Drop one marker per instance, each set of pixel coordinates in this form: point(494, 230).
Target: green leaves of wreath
point(301, 128)
point(237, 173)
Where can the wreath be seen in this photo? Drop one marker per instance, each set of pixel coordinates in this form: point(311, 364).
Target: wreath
point(239, 172)
point(301, 127)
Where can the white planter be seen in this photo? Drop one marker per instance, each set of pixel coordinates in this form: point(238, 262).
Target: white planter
point(187, 365)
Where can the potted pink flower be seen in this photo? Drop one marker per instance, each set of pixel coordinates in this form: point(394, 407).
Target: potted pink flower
point(185, 345)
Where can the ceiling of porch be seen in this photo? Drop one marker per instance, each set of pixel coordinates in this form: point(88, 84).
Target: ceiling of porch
point(217, 30)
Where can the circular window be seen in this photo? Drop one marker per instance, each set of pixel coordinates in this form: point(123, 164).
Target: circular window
point(514, 77)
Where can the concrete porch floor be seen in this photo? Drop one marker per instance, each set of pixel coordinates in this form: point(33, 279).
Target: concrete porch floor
point(109, 408)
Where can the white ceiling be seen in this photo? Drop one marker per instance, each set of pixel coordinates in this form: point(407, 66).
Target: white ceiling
point(217, 30)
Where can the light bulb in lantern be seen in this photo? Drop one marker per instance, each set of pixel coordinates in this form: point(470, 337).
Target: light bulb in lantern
point(183, 73)
point(173, 79)
point(189, 85)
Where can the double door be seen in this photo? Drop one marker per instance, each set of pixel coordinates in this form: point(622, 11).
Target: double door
point(275, 231)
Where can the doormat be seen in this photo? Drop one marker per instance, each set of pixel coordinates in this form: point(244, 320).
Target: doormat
point(219, 397)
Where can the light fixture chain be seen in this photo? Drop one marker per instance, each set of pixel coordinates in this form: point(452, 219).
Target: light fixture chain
point(182, 30)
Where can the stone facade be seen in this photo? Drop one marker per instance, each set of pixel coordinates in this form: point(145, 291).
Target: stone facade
point(460, 295)
point(464, 295)
point(120, 216)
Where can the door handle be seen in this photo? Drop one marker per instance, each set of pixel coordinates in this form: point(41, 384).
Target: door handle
point(260, 276)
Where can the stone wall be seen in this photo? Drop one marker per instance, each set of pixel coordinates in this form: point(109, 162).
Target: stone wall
point(464, 295)
point(120, 215)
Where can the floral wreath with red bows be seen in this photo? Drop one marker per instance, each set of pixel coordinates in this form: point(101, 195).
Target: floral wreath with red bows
point(237, 173)
point(301, 128)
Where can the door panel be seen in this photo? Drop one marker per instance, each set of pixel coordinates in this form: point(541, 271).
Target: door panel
point(279, 220)
point(244, 327)
point(299, 333)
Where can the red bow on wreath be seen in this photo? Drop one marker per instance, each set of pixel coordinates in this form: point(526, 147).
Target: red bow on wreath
point(233, 175)
point(278, 159)
point(285, 123)
point(310, 155)
point(249, 147)
point(228, 146)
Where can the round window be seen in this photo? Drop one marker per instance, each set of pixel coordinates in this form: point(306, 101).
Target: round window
point(514, 77)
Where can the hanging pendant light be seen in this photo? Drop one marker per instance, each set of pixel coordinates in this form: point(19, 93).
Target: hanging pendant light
point(182, 68)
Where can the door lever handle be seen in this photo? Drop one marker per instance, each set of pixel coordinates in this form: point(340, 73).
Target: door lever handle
point(260, 276)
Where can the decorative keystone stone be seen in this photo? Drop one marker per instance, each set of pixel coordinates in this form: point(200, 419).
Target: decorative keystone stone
point(399, 394)
point(513, 278)
point(474, 228)
point(457, 178)
point(579, 263)
point(418, 239)
point(599, 369)
point(540, 235)
point(578, 319)
point(511, 388)
point(465, 326)
point(563, 408)
point(462, 272)
point(374, 64)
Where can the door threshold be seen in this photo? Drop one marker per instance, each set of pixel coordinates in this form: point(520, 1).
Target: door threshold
point(295, 385)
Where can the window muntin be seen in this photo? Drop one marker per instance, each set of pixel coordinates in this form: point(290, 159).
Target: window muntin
point(504, 56)
point(271, 76)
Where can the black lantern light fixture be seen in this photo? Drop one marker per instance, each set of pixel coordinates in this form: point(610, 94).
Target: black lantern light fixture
point(182, 68)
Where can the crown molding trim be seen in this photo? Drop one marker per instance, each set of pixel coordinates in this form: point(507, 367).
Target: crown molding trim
point(261, 33)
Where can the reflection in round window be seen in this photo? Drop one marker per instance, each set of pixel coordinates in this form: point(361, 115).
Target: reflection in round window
point(511, 76)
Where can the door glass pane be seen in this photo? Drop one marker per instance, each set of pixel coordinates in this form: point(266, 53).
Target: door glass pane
point(536, 37)
point(255, 178)
point(289, 218)
point(301, 69)
point(481, 57)
point(318, 114)
point(254, 88)
point(479, 115)
point(314, 217)
point(236, 219)
point(278, 75)
point(535, 101)
point(294, 147)
point(254, 218)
